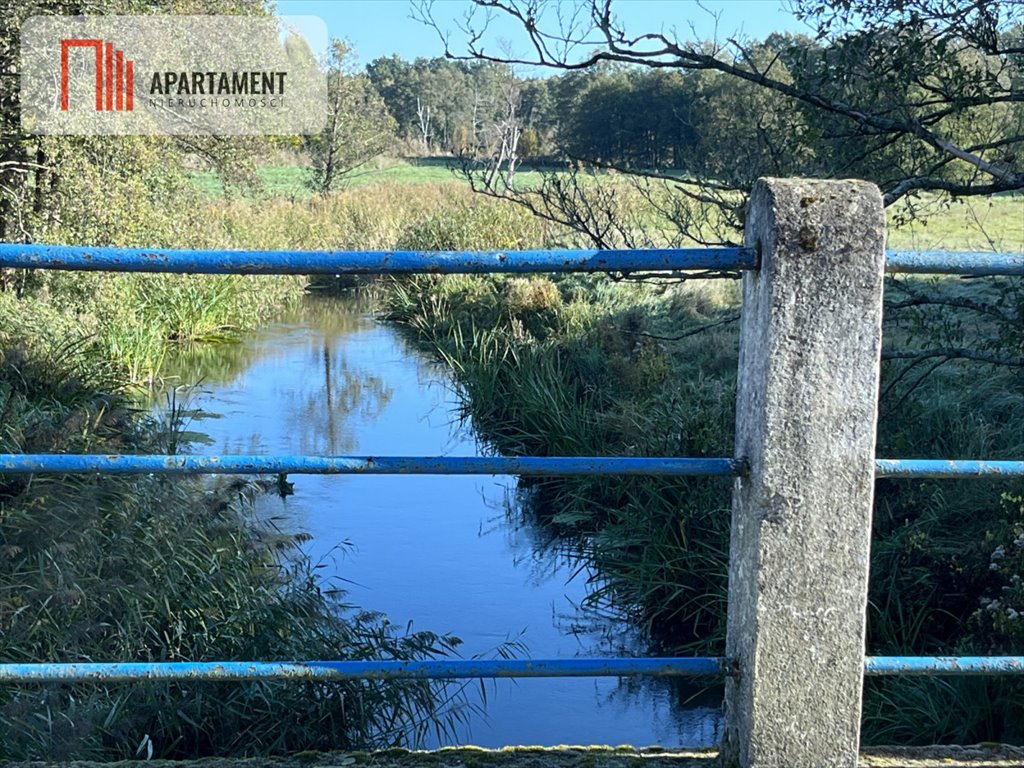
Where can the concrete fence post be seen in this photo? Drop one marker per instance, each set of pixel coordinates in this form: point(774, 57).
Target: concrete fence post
point(810, 345)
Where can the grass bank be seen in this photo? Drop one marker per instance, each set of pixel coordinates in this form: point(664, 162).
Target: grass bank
point(148, 568)
point(574, 366)
point(145, 568)
point(588, 366)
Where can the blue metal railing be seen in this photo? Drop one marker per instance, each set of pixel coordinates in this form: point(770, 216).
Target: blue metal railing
point(527, 466)
point(370, 262)
point(694, 666)
point(976, 263)
point(524, 466)
point(366, 670)
point(707, 260)
point(40, 256)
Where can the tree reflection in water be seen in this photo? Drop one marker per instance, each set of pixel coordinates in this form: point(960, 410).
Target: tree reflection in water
point(471, 556)
point(318, 411)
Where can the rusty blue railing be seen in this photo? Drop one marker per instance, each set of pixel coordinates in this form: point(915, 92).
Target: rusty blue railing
point(692, 666)
point(42, 256)
point(523, 466)
point(716, 261)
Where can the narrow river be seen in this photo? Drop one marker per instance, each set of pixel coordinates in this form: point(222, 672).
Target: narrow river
point(448, 554)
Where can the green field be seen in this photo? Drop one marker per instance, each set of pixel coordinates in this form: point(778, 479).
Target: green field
point(287, 181)
point(982, 224)
point(290, 181)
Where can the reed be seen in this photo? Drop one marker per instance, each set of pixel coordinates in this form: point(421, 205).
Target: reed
point(149, 568)
point(588, 366)
point(578, 365)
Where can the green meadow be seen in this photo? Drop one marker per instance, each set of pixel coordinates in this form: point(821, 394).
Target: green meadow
point(978, 224)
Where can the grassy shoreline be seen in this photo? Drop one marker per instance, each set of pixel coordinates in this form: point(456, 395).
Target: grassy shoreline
point(583, 365)
point(144, 568)
point(96, 568)
point(579, 365)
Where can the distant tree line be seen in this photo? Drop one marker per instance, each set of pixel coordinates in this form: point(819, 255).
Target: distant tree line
point(443, 106)
point(712, 124)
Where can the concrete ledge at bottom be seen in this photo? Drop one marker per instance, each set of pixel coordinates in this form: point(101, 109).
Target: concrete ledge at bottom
point(977, 756)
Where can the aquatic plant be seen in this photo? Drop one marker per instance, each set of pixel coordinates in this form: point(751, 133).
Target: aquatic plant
point(619, 369)
point(147, 568)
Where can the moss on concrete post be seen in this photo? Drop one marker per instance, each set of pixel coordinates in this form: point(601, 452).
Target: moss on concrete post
point(810, 347)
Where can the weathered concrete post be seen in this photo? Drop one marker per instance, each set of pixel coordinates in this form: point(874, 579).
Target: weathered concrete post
point(810, 343)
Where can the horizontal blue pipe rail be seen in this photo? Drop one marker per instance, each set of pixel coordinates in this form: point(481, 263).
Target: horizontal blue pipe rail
point(943, 665)
point(940, 468)
point(362, 670)
point(979, 263)
point(42, 256)
point(523, 466)
point(527, 466)
point(370, 262)
point(701, 666)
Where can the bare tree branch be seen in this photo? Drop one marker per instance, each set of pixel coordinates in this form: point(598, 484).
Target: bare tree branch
point(955, 353)
point(581, 47)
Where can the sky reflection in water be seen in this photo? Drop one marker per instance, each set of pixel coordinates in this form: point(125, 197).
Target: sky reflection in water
point(449, 554)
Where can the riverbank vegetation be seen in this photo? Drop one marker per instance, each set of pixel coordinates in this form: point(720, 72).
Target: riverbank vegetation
point(143, 568)
point(570, 366)
point(584, 366)
point(154, 569)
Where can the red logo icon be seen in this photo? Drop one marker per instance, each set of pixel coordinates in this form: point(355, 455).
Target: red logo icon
point(115, 76)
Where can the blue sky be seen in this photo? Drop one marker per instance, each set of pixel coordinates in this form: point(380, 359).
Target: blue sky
point(383, 27)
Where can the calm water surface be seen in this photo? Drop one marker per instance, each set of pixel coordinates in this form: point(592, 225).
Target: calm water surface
point(448, 554)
